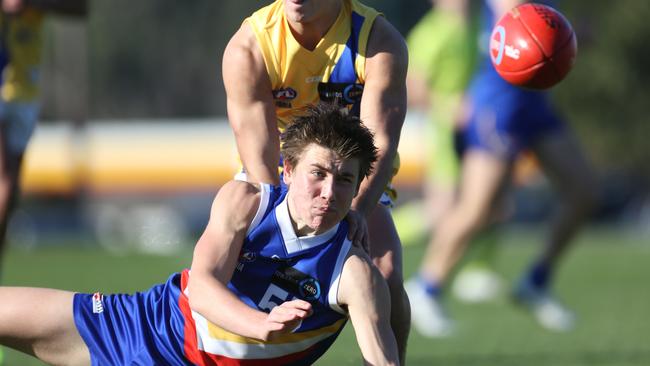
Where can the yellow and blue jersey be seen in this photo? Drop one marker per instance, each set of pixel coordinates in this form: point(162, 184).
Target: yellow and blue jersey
point(333, 71)
point(274, 266)
point(20, 54)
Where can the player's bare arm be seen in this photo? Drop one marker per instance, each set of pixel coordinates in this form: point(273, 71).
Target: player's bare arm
point(214, 261)
point(365, 293)
point(250, 107)
point(383, 105)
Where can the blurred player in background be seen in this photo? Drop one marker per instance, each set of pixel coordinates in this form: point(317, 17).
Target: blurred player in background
point(273, 278)
point(442, 59)
point(502, 121)
point(21, 40)
point(442, 53)
point(292, 53)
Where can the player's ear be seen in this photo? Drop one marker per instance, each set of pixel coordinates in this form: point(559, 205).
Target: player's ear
point(287, 172)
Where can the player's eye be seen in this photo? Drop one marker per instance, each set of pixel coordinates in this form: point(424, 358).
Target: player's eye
point(344, 179)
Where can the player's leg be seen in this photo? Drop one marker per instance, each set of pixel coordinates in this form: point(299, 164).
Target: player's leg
point(17, 123)
point(571, 174)
point(40, 322)
point(476, 280)
point(9, 171)
point(484, 177)
point(386, 252)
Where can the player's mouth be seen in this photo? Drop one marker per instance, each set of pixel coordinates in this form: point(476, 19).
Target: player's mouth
point(325, 209)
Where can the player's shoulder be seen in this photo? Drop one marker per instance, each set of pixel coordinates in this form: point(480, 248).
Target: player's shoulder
point(358, 267)
point(243, 40)
point(384, 37)
point(239, 189)
point(383, 28)
point(360, 278)
point(242, 55)
point(240, 198)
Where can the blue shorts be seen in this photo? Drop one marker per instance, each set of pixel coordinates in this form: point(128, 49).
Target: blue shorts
point(18, 122)
point(506, 119)
point(145, 328)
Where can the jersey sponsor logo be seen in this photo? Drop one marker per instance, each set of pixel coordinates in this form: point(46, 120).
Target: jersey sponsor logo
point(247, 257)
point(341, 93)
point(283, 97)
point(98, 303)
point(285, 94)
point(309, 289)
point(296, 282)
point(352, 93)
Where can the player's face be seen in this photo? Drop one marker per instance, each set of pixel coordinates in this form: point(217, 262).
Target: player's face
point(321, 189)
point(305, 11)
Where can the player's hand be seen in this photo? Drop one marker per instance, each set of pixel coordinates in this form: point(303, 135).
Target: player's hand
point(358, 230)
point(287, 317)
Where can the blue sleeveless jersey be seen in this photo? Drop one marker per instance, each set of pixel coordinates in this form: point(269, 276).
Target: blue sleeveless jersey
point(505, 119)
point(158, 326)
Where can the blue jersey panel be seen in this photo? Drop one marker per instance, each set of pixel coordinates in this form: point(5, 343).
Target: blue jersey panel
point(305, 274)
point(145, 328)
point(344, 73)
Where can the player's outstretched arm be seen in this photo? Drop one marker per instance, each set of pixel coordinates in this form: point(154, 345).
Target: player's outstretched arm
point(365, 294)
point(383, 106)
point(215, 257)
point(251, 110)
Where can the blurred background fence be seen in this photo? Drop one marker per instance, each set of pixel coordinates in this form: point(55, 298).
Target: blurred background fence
point(133, 130)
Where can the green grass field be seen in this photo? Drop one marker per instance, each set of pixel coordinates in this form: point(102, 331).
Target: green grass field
point(605, 279)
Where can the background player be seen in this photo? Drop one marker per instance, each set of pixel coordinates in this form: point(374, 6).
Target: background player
point(442, 59)
point(503, 120)
point(21, 40)
point(273, 276)
point(290, 54)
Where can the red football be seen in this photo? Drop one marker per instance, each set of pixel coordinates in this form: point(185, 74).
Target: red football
point(533, 46)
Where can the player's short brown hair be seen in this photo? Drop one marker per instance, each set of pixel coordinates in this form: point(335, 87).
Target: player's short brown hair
point(332, 127)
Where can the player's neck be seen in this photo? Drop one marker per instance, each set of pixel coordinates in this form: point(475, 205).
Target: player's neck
point(302, 226)
point(308, 34)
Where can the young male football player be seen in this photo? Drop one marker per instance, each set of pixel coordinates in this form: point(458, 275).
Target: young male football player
point(292, 53)
point(273, 279)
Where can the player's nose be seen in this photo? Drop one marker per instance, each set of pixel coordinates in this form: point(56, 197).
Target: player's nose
point(327, 189)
